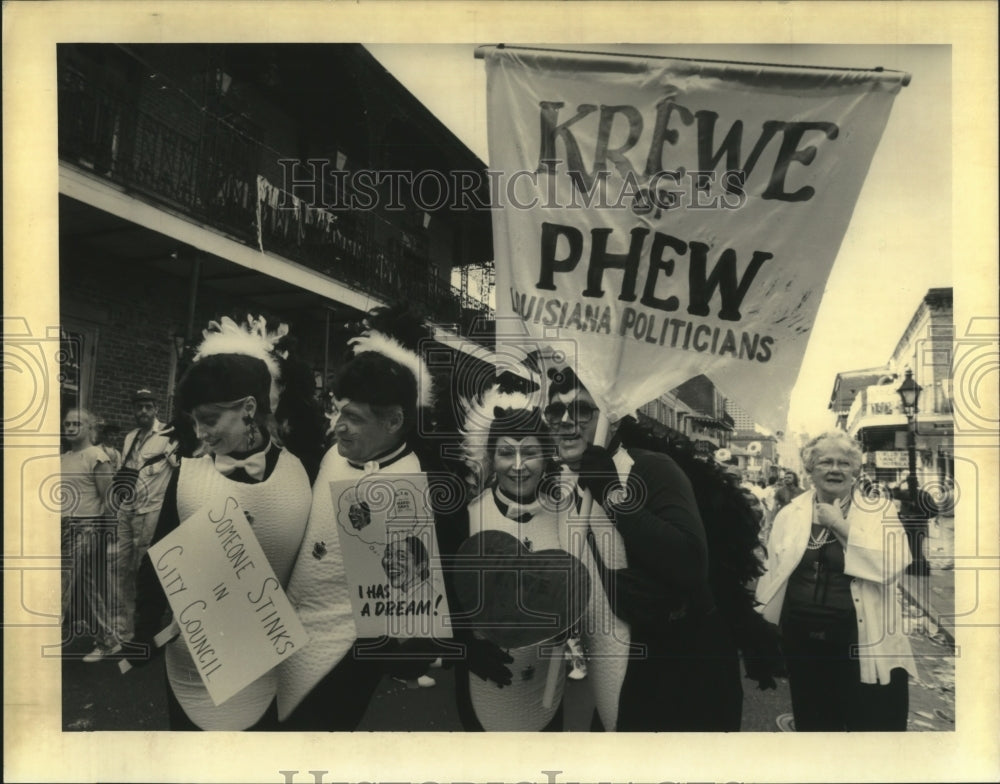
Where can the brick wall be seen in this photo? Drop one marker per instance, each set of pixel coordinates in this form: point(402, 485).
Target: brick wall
point(135, 310)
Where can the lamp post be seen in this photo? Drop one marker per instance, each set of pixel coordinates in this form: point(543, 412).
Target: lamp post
point(909, 394)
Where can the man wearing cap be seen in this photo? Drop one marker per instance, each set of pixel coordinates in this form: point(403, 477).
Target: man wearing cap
point(150, 453)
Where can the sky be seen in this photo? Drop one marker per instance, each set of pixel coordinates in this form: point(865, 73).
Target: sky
point(898, 244)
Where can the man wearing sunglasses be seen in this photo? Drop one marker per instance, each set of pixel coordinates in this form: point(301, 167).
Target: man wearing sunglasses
point(685, 675)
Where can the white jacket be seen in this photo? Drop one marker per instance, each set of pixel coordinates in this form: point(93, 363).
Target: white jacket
point(875, 555)
point(151, 486)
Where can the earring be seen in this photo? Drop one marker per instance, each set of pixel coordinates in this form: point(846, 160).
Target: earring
point(251, 431)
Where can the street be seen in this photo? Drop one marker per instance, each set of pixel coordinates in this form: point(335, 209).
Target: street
point(97, 697)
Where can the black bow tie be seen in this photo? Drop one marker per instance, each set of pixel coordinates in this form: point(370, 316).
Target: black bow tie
point(505, 511)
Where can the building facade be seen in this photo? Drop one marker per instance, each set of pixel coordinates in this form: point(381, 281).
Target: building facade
point(875, 415)
point(754, 451)
point(205, 180)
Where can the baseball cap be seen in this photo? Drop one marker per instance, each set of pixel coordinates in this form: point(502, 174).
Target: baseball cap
point(143, 394)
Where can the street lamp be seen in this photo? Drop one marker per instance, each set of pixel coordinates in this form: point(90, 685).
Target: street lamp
point(909, 391)
point(909, 394)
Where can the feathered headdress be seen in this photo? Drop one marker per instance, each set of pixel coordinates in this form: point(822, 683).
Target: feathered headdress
point(479, 418)
point(249, 339)
point(391, 348)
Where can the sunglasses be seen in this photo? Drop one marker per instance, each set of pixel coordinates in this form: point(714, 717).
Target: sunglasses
point(579, 412)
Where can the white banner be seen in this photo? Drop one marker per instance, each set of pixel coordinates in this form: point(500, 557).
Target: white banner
point(231, 609)
point(672, 217)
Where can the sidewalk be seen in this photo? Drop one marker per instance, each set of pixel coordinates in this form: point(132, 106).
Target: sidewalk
point(934, 594)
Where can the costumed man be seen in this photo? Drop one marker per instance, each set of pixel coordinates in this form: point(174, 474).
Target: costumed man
point(149, 461)
point(327, 685)
point(685, 674)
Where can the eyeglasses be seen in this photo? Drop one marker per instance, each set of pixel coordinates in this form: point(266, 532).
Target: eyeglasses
point(828, 462)
point(579, 411)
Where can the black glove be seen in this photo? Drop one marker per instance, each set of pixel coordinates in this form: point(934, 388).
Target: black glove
point(487, 659)
point(598, 473)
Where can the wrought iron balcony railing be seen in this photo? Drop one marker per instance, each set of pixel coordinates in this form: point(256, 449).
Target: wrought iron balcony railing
point(212, 173)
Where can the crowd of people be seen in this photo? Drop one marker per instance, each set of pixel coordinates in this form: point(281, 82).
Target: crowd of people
point(676, 573)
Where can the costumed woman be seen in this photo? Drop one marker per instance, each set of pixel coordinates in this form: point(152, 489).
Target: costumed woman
point(833, 561)
point(510, 453)
point(228, 396)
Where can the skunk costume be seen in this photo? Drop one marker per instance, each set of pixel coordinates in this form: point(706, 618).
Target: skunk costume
point(235, 369)
point(327, 685)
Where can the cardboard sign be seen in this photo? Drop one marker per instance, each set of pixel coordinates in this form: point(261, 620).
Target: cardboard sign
point(390, 552)
point(229, 606)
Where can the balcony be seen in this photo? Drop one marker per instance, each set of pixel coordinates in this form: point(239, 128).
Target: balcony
point(875, 406)
point(880, 406)
point(212, 174)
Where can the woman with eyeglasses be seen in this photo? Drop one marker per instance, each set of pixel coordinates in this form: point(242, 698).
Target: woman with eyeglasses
point(833, 560)
point(228, 397)
point(682, 674)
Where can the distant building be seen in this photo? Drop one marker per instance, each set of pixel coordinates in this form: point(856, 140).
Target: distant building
point(667, 415)
point(847, 385)
point(755, 450)
point(760, 461)
point(742, 421)
point(705, 421)
point(875, 415)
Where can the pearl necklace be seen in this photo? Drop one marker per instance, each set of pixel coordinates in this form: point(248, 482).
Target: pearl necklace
point(816, 542)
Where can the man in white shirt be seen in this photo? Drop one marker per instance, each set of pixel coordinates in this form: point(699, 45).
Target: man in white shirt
point(150, 453)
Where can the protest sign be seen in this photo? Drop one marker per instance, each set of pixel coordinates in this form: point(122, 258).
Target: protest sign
point(675, 217)
point(229, 606)
point(390, 555)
